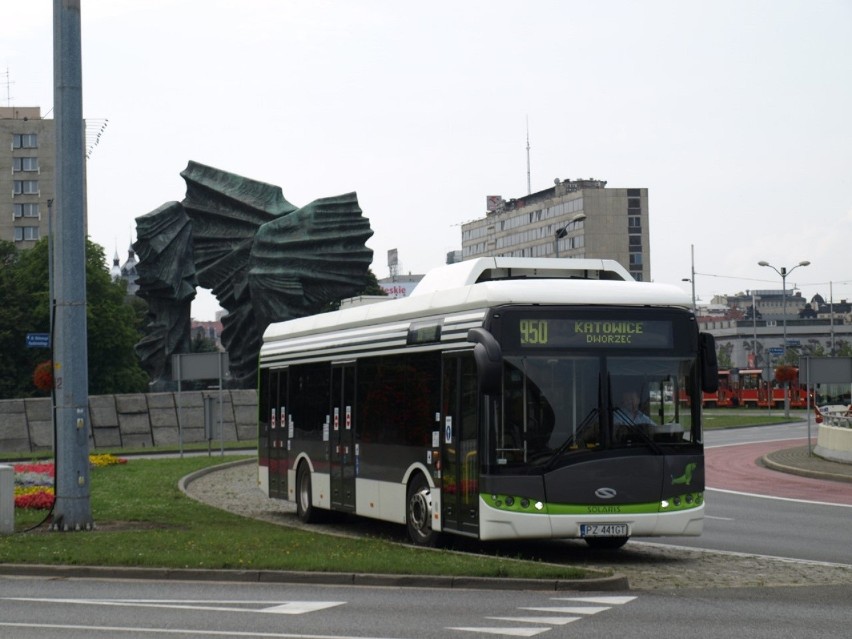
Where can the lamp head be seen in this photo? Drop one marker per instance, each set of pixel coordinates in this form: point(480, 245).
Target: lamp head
point(763, 263)
point(804, 263)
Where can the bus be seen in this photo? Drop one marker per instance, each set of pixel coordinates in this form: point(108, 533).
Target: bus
point(484, 405)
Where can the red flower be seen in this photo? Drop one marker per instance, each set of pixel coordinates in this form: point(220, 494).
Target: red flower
point(41, 500)
point(43, 376)
point(786, 374)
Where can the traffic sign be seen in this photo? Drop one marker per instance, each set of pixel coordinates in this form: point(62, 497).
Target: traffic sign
point(38, 340)
point(776, 350)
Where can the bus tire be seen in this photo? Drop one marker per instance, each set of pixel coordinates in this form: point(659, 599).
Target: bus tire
point(418, 512)
point(606, 543)
point(304, 499)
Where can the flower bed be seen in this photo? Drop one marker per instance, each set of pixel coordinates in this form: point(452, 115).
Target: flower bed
point(34, 483)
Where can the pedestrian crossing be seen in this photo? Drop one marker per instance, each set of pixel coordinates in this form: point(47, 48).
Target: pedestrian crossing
point(562, 611)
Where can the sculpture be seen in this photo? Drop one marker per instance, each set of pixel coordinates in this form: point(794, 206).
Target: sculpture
point(264, 259)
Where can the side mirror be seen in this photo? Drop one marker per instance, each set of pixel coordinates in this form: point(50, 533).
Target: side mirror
point(489, 360)
point(709, 363)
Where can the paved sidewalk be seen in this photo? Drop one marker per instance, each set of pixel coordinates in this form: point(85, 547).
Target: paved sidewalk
point(798, 460)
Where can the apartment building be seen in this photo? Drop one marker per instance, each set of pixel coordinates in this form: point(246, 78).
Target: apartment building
point(27, 172)
point(574, 218)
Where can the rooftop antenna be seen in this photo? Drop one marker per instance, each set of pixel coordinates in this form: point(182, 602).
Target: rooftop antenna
point(9, 84)
point(529, 187)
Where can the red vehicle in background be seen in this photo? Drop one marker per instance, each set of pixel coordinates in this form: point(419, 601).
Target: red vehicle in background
point(745, 387)
point(725, 396)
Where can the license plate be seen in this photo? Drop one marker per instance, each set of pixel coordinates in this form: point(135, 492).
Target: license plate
point(604, 530)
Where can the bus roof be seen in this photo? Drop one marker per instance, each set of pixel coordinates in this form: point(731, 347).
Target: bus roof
point(489, 282)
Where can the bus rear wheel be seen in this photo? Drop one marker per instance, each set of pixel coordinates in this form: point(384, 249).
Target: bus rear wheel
point(606, 543)
point(418, 513)
point(304, 499)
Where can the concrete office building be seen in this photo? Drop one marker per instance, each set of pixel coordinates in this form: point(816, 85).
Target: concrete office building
point(574, 218)
point(27, 171)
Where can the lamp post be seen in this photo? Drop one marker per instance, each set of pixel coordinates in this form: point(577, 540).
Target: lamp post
point(691, 279)
point(563, 231)
point(783, 272)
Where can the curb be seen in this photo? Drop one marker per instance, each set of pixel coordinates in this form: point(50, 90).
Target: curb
point(616, 582)
point(770, 463)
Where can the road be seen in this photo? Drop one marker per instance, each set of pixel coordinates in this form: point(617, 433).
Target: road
point(43, 608)
point(755, 510)
point(784, 523)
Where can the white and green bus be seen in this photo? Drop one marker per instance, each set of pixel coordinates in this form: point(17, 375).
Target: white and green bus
point(486, 404)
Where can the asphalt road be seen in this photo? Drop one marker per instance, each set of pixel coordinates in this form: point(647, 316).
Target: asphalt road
point(75, 609)
point(751, 509)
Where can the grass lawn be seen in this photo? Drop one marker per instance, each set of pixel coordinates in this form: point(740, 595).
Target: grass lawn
point(719, 418)
point(142, 519)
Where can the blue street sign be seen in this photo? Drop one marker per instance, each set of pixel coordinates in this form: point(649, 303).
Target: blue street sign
point(38, 340)
point(776, 350)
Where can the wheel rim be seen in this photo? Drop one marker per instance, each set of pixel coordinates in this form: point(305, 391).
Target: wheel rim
point(420, 512)
point(305, 492)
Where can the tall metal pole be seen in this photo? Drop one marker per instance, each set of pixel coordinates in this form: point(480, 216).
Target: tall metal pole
point(72, 510)
point(784, 310)
point(783, 272)
point(831, 314)
point(692, 276)
point(754, 328)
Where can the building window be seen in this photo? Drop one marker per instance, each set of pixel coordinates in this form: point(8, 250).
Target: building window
point(24, 140)
point(634, 204)
point(635, 260)
point(24, 164)
point(25, 187)
point(634, 224)
point(633, 192)
point(634, 241)
point(29, 209)
point(26, 233)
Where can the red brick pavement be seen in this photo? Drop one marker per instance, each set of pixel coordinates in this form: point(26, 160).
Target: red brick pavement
point(737, 468)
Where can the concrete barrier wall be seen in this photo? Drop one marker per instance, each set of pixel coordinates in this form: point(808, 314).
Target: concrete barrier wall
point(144, 420)
point(834, 443)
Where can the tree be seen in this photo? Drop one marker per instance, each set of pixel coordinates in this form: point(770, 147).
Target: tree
point(201, 343)
point(112, 323)
point(17, 362)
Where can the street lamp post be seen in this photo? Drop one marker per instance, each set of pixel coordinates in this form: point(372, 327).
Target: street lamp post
point(783, 272)
point(563, 231)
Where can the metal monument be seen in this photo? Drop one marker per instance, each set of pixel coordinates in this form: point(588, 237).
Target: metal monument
point(264, 259)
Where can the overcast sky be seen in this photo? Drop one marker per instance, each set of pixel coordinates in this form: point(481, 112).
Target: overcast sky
point(736, 115)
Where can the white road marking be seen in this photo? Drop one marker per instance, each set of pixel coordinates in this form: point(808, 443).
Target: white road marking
point(571, 610)
point(276, 607)
point(612, 601)
point(180, 631)
point(510, 632)
point(773, 497)
point(553, 621)
point(605, 603)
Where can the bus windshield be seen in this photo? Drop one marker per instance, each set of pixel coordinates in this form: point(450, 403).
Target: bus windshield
point(554, 409)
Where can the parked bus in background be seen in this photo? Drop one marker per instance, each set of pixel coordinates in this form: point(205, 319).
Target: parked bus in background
point(488, 404)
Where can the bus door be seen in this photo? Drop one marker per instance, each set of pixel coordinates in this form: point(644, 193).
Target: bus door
point(342, 438)
point(459, 448)
point(277, 434)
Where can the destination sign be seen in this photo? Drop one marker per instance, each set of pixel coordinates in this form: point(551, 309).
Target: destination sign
point(593, 333)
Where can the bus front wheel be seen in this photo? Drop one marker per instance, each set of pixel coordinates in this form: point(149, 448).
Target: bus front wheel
point(304, 499)
point(418, 513)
